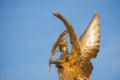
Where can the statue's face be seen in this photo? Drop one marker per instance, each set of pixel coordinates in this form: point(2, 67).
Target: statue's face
point(63, 45)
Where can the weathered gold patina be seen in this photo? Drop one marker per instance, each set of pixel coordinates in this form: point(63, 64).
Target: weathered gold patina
point(76, 65)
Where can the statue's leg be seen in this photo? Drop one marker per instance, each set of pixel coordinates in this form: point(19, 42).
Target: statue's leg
point(60, 74)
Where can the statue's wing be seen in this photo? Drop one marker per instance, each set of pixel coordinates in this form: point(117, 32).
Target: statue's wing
point(90, 40)
point(73, 38)
point(55, 46)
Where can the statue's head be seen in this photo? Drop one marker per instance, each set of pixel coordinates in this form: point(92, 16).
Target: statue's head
point(63, 45)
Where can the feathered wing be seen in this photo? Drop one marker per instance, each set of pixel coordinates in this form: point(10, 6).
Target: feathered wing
point(73, 38)
point(55, 46)
point(90, 40)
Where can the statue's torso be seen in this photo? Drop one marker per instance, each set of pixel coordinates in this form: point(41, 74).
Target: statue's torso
point(74, 68)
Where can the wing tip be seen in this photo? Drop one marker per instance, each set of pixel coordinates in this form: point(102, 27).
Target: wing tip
point(96, 14)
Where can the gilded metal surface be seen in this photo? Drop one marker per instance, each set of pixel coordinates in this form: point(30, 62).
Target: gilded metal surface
point(76, 65)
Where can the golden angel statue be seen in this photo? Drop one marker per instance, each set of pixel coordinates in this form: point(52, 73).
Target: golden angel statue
point(76, 64)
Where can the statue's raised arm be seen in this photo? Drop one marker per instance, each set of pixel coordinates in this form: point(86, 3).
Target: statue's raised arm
point(73, 37)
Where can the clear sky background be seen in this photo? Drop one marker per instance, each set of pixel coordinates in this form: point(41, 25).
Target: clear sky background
point(28, 31)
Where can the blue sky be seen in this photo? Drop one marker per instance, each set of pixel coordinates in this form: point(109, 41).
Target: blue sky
point(28, 31)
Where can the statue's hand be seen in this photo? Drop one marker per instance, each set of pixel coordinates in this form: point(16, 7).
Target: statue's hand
point(53, 62)
point(49, 66)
